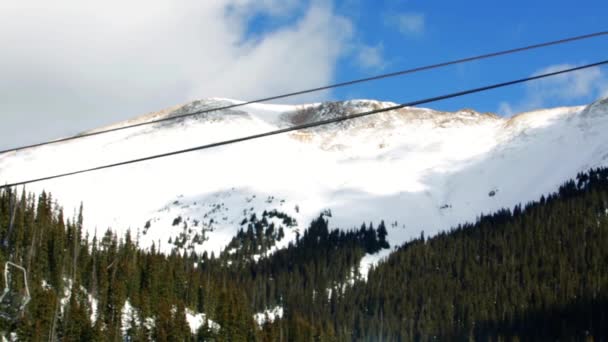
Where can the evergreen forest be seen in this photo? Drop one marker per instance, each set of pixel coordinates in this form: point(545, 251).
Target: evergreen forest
point(538, 271)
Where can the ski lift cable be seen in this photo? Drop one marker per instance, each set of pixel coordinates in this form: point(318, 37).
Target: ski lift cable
point(308, 125)
point(322, 88)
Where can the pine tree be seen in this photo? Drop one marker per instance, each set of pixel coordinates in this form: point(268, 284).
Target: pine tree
point(382, 234)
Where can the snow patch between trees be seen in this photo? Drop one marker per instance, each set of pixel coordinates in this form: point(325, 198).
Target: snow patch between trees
point(371, 260)
point(268, 315)
point(197, 320)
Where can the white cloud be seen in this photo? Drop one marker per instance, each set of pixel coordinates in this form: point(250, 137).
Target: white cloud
point(568, 86)
point(582, 85)
point(371, 57)
point(70, 64)
point(409, 23)
point(505, 108)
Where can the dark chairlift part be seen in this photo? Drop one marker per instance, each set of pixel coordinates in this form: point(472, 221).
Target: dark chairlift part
point(16, 292)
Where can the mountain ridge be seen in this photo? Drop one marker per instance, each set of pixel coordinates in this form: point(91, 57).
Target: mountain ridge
point(419, 169)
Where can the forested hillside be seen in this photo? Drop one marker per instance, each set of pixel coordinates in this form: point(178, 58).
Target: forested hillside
point(532, 272)
point(538, 272)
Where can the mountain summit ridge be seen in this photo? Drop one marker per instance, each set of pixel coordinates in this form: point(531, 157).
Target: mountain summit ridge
point(312, 112)
point(419, 169)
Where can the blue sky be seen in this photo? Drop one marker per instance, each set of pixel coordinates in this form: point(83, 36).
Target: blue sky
point(456, 29)
point(68, 66)
point(404, 34)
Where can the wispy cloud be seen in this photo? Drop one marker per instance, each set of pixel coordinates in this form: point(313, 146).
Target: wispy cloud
point(371, 57)
point(583, 85)
point(408, 23)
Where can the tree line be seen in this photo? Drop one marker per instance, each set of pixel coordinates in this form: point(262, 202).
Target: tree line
point(531, 272)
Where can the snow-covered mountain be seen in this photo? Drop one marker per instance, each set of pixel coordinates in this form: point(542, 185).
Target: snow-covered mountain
point(416, 169)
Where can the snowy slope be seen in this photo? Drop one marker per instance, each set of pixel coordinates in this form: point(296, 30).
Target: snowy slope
point(417, 169)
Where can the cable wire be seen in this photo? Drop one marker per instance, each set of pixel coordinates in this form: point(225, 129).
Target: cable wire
point(312, 90)
point(310, 125)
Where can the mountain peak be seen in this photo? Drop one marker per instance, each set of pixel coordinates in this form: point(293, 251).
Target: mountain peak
point(287, 115)
point(328, 110)
point(597, 108)
point(426, 169)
